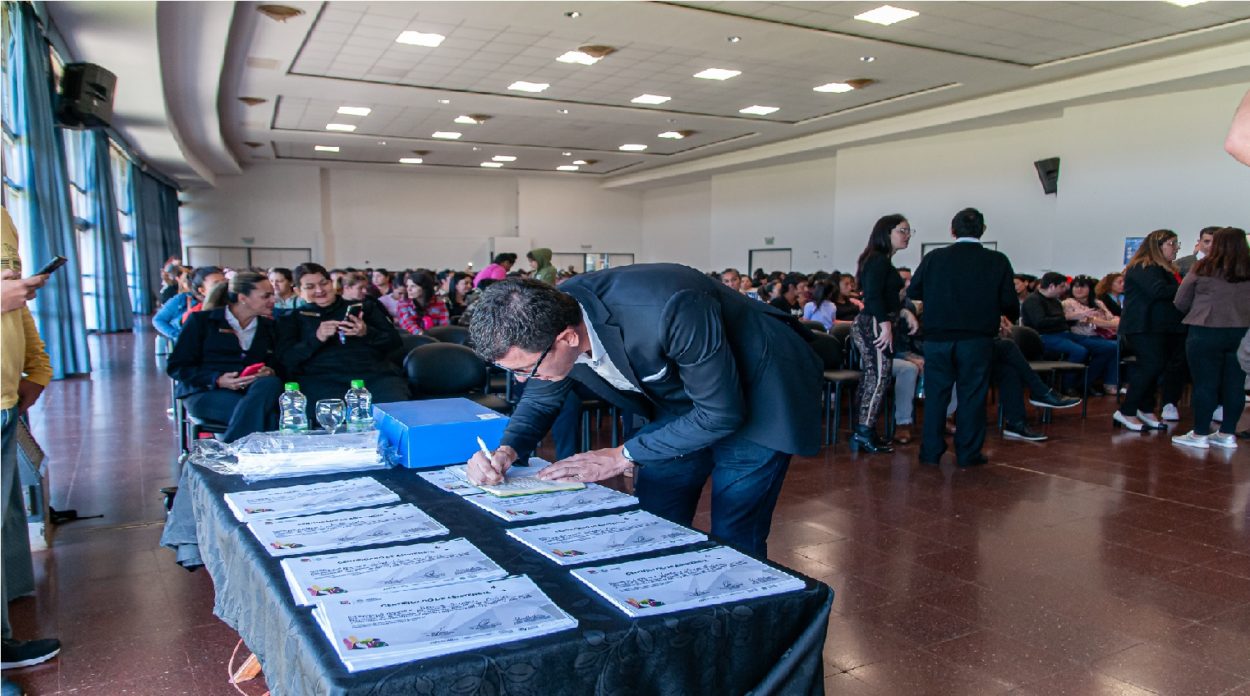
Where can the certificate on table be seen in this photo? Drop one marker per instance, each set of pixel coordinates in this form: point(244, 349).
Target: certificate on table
point(609, 536)
point(685, 581)
point(339, 530)
point(450, 481)
point(395, 567)
point(380, 629)
point(536, 507)
point(270, 503)
point(520, 480)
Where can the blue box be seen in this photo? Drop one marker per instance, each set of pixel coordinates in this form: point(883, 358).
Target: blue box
point(437, 432)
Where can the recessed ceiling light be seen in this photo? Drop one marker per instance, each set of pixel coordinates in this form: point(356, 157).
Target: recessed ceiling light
point(444, 101)
point(416, 38)
point(354, 110)
point(562, 111)
point(633, 147)
point(734, 39)
point(572, 14)
point(504, 158)
point(472, 119)
point(717, 74)
point(326, 148)
point(381, 142)
point(580, 162)
point(676, 134)
point(345, 127)
point(886, 15)
point(492, 165)
point(1186, 3)
point(758, 110)
point(649, 99)
point(868, 59)
point(566, 154)
point(567, 168)
point(835, 87)
point(577, 58)
point(446, 135)
point(410, 160)
point(523, 86)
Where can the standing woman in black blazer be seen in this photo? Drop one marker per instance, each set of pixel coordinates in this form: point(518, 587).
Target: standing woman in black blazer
point(1151, 325)
point(872, 329)
point(233, 331)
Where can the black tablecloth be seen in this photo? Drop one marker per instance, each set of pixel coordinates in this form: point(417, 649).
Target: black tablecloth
point(769, 645)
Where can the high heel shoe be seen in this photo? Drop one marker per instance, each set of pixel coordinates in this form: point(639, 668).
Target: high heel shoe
point(864, 439)
point(1120, 420)
point(1150, 421)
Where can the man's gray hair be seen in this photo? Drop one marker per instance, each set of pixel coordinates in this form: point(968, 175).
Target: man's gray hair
point(522, 313)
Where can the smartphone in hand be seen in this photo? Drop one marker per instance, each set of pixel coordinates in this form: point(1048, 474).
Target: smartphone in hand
point(52, 266)
point(252, 369)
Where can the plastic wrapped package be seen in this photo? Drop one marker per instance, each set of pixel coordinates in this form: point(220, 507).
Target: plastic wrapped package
point(262, 456)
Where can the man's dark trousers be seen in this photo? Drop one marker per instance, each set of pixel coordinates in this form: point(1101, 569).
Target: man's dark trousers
point(965, 363)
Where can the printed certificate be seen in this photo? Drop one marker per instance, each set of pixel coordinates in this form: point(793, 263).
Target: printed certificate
point(536, 507)
point(339, 530)
point(609, 536)
point(287, 501)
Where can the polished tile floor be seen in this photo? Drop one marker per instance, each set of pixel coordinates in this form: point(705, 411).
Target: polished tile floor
point(1096, 563)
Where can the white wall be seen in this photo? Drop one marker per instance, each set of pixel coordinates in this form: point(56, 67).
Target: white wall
point(677, 224)
point(278, 206)
point(577, 216)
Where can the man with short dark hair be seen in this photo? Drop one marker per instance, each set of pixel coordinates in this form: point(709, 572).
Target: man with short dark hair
point(1201, 249)
point(965, 289)
point(729, 385)
point(1043, 312)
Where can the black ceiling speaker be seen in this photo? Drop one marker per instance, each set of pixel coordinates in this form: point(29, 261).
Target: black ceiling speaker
point(86, 99)
point(1048, 172)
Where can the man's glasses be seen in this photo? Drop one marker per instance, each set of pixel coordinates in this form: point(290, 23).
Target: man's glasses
point(533, 370)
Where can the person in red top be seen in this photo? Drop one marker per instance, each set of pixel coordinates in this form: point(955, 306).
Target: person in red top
point(422, 309)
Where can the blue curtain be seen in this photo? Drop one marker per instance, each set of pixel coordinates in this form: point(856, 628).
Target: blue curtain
point(59, 308)
point(112, 296)
point(157, 234)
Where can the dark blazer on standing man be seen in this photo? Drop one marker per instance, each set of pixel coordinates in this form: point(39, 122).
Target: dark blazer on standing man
point(709, 362)
point(965, 289)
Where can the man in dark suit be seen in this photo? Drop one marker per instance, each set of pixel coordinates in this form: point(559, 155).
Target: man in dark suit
point(965, 289)
point(729, 385)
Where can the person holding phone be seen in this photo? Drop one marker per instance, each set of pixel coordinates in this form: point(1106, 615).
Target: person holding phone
point(224, 359)
point(328, 341)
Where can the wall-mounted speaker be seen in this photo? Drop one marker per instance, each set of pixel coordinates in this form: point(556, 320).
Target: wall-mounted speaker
point(1048, 172)
point(86, 99)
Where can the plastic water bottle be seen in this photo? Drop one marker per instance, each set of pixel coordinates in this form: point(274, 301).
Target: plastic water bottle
point(359, 406)
point(292, 410)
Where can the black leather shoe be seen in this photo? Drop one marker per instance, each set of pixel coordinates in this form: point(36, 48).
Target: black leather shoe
point(975, 460)
point(864, 439)
point(1053, 399)
point(1021, 431)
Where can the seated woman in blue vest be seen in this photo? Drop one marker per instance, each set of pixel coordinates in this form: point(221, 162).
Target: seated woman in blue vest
point(234, 331)
point(329, 341)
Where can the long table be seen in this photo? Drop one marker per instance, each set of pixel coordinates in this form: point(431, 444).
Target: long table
point(768, 645)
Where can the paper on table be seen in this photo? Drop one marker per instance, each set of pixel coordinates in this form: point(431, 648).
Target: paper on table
point(376, 630)
point(608, 536)
point(287, 501)
point(685, 580)
point(521, 480)
point(287, 536)
point(394, 567)
point(450, 481)
point(537, 507)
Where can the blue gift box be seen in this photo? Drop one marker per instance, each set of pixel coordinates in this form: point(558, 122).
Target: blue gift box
point(437, 432)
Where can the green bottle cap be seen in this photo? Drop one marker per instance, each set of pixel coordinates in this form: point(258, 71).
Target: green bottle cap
point(358, 384)
point(292, 386)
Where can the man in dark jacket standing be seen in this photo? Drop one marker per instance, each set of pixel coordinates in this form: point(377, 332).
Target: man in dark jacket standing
point(729, 384)
point(965, 288)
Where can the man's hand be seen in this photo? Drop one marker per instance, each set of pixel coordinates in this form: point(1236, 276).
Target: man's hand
point(913, 324)
point(353, 325)
point(27, 394)
point(595, 465)
point(233, 382)
point(327, 329)
point(18, 290)
point(490, 471)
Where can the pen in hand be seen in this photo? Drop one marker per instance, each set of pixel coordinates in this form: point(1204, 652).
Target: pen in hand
point(490, 460)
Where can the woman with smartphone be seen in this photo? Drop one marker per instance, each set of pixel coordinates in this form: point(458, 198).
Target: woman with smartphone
point(223, 361)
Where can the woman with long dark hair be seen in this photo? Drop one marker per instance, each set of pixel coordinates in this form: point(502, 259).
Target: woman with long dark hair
point(1151, 325)
point(422, 309)
point(1215, 297)
point(821, 307)
point(872, 329)
point(233, 331)
point(458, 288)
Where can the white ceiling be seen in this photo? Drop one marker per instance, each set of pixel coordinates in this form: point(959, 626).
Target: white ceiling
point(339, 53)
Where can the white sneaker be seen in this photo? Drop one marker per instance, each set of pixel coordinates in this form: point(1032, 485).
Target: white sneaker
point(1190, 439)
point(1218, 416)
point(1170, 413)
point(1225, 440)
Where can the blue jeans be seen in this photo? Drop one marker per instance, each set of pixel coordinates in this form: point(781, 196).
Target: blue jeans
point(11, 497)
point(746, 479)
point(1076, 348)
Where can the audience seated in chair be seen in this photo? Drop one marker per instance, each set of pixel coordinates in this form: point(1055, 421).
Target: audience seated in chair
point(170, 317)
point(1043, 312)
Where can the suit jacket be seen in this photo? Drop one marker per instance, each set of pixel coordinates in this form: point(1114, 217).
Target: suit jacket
point(965, 289)
point(1148, 307)
point(208, 348)
point(709, 362)
point(1185, 263)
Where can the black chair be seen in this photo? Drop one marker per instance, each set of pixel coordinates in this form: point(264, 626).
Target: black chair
point(596, 408)
point(190, 427)
point(836, 375)
point(814, 325)
point(407, 345)
point(450, 334)
point(1030, 344)
point(446, 370)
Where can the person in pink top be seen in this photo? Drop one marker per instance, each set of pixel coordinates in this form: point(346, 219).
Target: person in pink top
point(497, 270)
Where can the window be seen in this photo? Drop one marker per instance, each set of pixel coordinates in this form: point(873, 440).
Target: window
point(126, 223)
